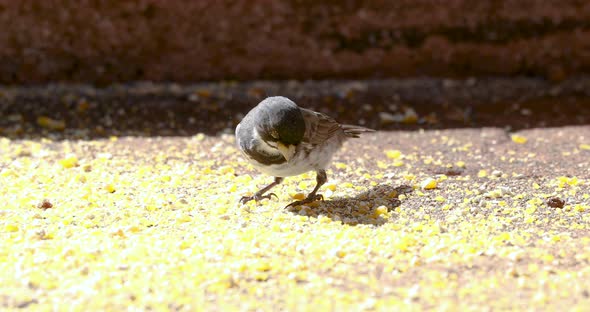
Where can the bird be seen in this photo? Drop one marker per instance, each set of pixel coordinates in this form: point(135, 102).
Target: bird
point(281, 139)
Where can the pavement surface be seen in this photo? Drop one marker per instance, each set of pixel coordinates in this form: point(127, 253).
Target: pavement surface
point(472, 195)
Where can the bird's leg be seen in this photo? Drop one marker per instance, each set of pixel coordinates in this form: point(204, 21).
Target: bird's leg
point(320, 178)
point(260, 194)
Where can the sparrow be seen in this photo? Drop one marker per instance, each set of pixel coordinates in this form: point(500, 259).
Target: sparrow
point(281, 139)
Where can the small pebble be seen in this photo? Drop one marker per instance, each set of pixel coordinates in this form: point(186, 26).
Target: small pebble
point(45, 204)
point(555, 202)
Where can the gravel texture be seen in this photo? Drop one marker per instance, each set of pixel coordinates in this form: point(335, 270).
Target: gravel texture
point(107, 206)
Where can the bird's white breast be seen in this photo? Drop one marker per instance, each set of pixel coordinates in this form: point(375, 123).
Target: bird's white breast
point(319, 158)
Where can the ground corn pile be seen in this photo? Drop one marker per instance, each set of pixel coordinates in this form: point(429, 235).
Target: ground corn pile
point(154, 223)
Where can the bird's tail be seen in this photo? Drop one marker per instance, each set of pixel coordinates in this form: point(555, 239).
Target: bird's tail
point(353, 131)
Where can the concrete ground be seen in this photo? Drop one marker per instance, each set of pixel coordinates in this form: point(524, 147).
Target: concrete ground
point(472, 195)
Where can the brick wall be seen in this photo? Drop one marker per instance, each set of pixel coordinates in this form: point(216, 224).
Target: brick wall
point(113, 41)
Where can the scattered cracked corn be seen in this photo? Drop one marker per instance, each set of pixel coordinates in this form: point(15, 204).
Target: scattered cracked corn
point(339, 253)
point(398, 163)
point(11, 228)
point(410, 116)
point(303, 185)
point(347, 185)
point(440, 199)
point(567, 181)
point(580, 208)
point(340, 165)
point(393, 154)
point(196, 247)
point(51, 124)
point(518, 139)
point(298, 196)
point(409, 177)
point(184, 218)
point(110, 188)
point(428, 184)
point(69, 162)
point(381, 210)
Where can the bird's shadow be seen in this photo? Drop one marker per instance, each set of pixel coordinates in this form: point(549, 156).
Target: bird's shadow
point(369, 207)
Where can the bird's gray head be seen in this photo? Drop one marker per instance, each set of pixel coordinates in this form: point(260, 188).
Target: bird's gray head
point(278, 119)
point(279, 123)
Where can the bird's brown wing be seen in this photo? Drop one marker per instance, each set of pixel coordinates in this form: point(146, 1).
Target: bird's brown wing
point(353, 131)
point(318, 127)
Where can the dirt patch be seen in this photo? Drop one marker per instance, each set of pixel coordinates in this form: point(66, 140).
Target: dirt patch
point(146, 109)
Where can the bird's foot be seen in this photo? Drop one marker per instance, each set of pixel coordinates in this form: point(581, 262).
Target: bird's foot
point(257, 197)
point(309, 199)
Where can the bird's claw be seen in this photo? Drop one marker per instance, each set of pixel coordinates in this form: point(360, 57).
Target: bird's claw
point(307, 200)
point(269, 196)
point(257, 197)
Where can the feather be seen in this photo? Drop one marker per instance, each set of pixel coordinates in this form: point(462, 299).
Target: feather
point(353, 131)
point(318, 127)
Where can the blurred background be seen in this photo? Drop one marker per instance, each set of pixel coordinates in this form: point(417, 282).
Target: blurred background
point(404, 63)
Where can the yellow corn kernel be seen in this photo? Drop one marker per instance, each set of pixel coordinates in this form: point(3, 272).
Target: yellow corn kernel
point(428, 184)
point(519, 139)
point(69, 162)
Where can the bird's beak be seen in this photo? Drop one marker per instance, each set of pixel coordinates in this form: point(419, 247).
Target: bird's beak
point(288, 151)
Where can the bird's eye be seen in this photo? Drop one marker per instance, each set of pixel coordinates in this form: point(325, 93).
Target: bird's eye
point(274, 135)
point(268, 133)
